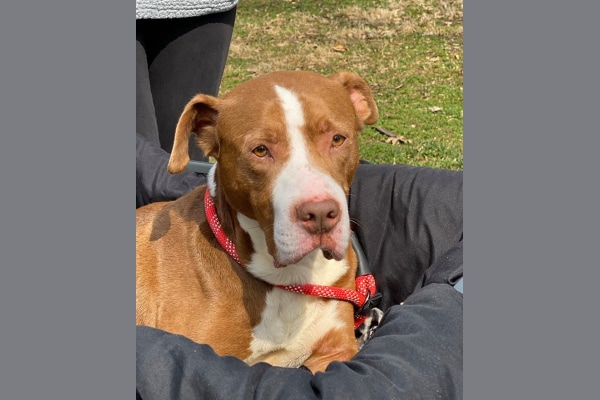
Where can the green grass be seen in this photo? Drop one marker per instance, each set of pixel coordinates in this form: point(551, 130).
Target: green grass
point(409, 51)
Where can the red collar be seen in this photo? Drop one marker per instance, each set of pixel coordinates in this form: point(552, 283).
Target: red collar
point(361, 297)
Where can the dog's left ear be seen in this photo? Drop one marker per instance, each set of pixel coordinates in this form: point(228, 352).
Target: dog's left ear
point(360, 94)
point(198, 116)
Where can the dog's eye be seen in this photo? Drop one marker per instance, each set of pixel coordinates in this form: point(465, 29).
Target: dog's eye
point(337, 140)
point(261, 151)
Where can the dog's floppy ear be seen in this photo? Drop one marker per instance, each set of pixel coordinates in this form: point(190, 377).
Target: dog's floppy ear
point(360, 94)
point(198, 116)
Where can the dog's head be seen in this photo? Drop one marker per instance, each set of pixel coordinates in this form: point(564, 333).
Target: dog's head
point(286, 146)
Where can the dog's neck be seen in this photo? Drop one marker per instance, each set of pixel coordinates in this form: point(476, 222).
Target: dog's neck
point(228, 220)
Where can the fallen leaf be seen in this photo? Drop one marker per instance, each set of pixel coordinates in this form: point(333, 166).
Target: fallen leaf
point(340, 48)
point(397, 140)
point(435, 109)
point(392, 137)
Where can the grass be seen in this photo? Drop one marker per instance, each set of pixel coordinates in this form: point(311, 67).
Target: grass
point(409, 51)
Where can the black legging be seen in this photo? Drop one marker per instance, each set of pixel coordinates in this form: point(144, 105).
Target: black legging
point(176, 59)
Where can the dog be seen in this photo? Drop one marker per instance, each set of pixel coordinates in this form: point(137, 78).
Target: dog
point(225, 264)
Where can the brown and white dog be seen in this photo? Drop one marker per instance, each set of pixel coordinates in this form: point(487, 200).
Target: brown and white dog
point(286, 146)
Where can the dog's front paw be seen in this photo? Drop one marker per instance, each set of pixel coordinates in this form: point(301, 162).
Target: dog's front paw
point(366, 330)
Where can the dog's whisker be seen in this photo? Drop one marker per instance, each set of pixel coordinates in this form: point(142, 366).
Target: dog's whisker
point(355, 222)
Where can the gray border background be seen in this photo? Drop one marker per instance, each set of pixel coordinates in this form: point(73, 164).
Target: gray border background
point(531, 219)
point(531, 200)
point(67, 246)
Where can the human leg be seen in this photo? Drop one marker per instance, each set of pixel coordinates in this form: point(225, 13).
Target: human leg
point(185, 56)
point(406, 218)
point(145, 122)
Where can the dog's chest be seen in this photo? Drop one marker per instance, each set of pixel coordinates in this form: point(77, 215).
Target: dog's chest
point(290, 326)
point(291, 323)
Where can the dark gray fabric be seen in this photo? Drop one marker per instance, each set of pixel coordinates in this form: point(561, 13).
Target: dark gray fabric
point(447, 268)
point(177, 59)
point(153, 181)
point(145, 113)
point(416, 353)
point(406, 218)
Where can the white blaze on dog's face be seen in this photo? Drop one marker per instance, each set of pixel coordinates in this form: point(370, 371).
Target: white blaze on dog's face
point(288, 144)
point(309, 206)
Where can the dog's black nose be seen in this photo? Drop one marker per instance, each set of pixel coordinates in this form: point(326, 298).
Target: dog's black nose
point(318, 216)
